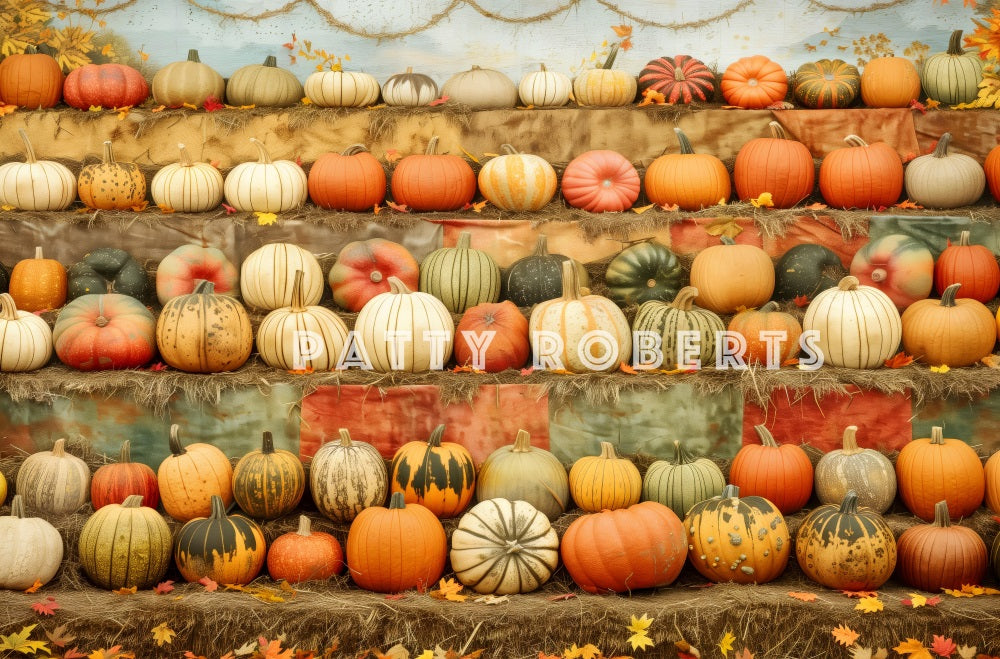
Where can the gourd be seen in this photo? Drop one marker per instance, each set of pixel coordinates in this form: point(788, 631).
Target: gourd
point(108, 270)
point(861, 175)
point(203, 332)
point(54, 482)
point(265, 186)
point(31, 80)
point(187, 81)
point(544, 88)
point(304, 555)
point(889, 82)
point(754, 82)
point(460, 276)
point(683, 482)
point(267, 276)
point(352, 180)
point(691, 181)
point(481, 89)
point(187, 186)
point(105, 332)
point(681, 79)
point(517, 181)
point(409, 89)
point(36, 185)
point(936, 468)
point(867, 472)
point(264, 85)
point(441, 476)
point(496, 333)
point(600, 181)
point(642, 272)
point(125, 545)
point(342, 89)
point(935, 556)
point(944, 180)
point(604, 481)
point(826, 84)
point(954, 332)
point(433, 181)
point(973, 266)
point(782, 474)
point(363, 269)
point(952, 77)
point(32, 548)
point(104, 85)
point(667, 319)
point(181, 269)
point(38, 283)
point(537, 277)
point(730, 276)
point(116, 481)
point(522, 472)
point(25, 338)
point(228, 549)
point(268, 483)
point(346, 476)
point(776, 164)
point(110, 184)
point(191, 476)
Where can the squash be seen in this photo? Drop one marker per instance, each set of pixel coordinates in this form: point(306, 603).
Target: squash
point(691, 181)
point(363, 269)
point(682, 483)
point(440, 476)
point(267, 276)
point(460, 276)
point(826, 84)
point(944, 180)
point(761, 328)
point(600, 181)
point(116, 481)
point(604, 481)
point(187, 186)
point(125, 545)
point(730, 276)
point(522, 472)
point(268, 483)
point(544, 88)
point(30, 79)
point(345, 477)
point(666, 321)
point(191, 476)
point(754, 82)
point(865, 471)
point(776, 164)
point(492, 337)
point(936, 468)
point(433, 181)
point(304, 555)
point(265, 185)
point(187, 81)
point(36, 185)
point(949, 331)
point(642, 272)
point(604, 86)
point(899, 265)
point(936, 556)
point(25, 338)
point(517, 181)
point(228, 549)
point(105, 332)
point(38, 283)
point(108, 270)
point(889, 82)
point(782, 474)
point(681, 79)
point(352, 180)
point(203, 332)
point(180, 270)
point(952, 77)
point(862, 175)
point(104, 85)
point(342, 89)
point(806, 270)
point(973, 266)
point(112, 185)
point(32, 549)
point(264, 85)
point(537, 277)
point(481, 89)
point(409, 89)
point(54, 482)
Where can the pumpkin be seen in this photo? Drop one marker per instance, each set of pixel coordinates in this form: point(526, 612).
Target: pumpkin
point(936, 556)
point(517, 181)
point(125, 545)
point(754, 83)
point(187, 186)
point(268, 483)
point(681, 79)
point(949, 331)
point(643, 272)
point(492, 337)
point(738, 539)
point(806, 270)
point(341, 89)
point(782, 474)
point(827, 84)
point(345, 477)
point(600, 550)
point(36, 185)
point(682, 483)
point(32, 549)
point(667, 321)
point(857, 326)
point(304, 555)
point(25, 338)
point(179, 270)
point(105, 332)
point(352, 180)
point(440, 476)
point(403, 330)
point(537, 277)
point(861, 175)
point(992, 168)
point(54, 482)
point(867, 472)
point(605, 86)
point(936, 468)
point(973, 266)
point(481, 89)
point(952, 77)
point(730, 276)
point(522, 472)
point(39, 283)
point(992, 490)
point(898, 265)
point(228, 549)
point(766, 327)
point(393, 549)
point(691, 181)
point(944, 180)
point(111, 185)
point(604, 481)
point(265, 186)
point(460, 276)
point(844, 548)
point(889, 82)
point(267, 276)
point(3, 490)
point(116, 481)
point(104, 85)
point(433, 181)
point(775, 164)
point(363, 269)
point(600, 181)
point(31, 80)
point(579, 333)
point(409, 89)
point(202, 332)
point(504, 546)
point(108, 270)
point(995, 555)
point(544, 88)
point(187, 81)
point(264, 85)
point(191, 476)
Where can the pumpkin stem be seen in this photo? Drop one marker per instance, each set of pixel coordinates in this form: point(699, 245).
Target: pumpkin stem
point(345, 437)
point(542, 245)
point(264, 157)
point(854, 140)
point(730, 492)
point(948, 297)
point(726, 240)
point(850, 446)
point(186, 160)
point(29, 150)
point(766, 438)
point(297, 304)
point(375, 276)
point(17, 507)
point(176, 448)
point(432, 146)
point(464, 240)
point(879, 274)
point(270, 60)
point(509, 150)
point(8, 308)
point(397, 287)
point(38, 252)
point(522, 443)
point(109, 155)
point(849, 283)
point(941, 150)
point(679, 74)
point(514, 547)
point(30, 49)
point(541, 67)
point(570, 281)
point(610, 61)
point(203, 287)
point(777, 131)
point(102, 321)
point(59, 448)
point(354, 149)
point(397, 501)
point(937, 435)
point(941, 517)
point(681, 457)
point(132, 501)
point(683, 140)
point(685, 298)
point(218, 508)
point(849, 506)
point(193, 56)
point(434, 441)
point(267, 443)
point(305, 526)
point(770, 307)
point(955, 43)
point(125, 456)
point(963, 238)
point(608, 451)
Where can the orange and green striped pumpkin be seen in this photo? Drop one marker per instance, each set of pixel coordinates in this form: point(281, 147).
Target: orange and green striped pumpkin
point(826, 84)
point(440, 476)
point(268, 483)
point(604, 481)
point(228, 549)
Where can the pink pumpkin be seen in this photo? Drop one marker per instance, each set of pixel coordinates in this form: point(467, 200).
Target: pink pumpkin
point(180, 269)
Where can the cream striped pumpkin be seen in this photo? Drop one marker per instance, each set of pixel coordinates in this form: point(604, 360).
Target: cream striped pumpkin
point(666, 319)
point(604, 87)
point(460, 276)
point(54, 482)
point(341, 89)
point(857, 326)
point(267, 276)
point(36, 185)
point(32, 548)
point(517, 181)
point(409, 89)
point(281, 344)
point(544, 88)
point(265, 186)
point(345, 477)
point(187, 186)
point(126, 545)
point(25, 338)
point(866, 471)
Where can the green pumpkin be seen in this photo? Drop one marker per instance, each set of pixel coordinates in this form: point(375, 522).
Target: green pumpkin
point(125, 545)
point(108, 270)
point(538, 277)
point(667, 319)
point(953, 77)
point(806, 269)
point(827, 83)
point(460, 276)
point(228, 549)
point(643, 272)
point(682, 483)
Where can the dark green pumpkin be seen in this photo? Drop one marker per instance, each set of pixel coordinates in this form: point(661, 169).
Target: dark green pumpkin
point(538, 277)
point(268, 483)
point(108, 270)
point(806, 269)
point(643, 272)
point(667, 319)
point(228, 549)
point(827, 84)
point(4, 278)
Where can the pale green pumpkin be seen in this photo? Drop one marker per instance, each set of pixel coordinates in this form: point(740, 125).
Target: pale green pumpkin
point(126, 545)
point(953, 76)
point(526, 473)
point(866, 471)
point(682, 483)
point(460, 276)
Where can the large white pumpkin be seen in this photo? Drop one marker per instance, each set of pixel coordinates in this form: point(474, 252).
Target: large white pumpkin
point(300, 336)
point(545, 89)
point(944, 180)
point(267, 276)
point(266, 186)
point(54, 482)
point(25, 338)
point(187, 186)
point(36, 185)
point(346, 476)
point(341, 89)
point(481, 89)
point(31, 549)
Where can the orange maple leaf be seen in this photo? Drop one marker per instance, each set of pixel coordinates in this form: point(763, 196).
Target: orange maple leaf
point(860, 594)
point(34, 587)
point(944, 647)
point(399, 208)
point(449, 589)
point(7, 109)
point(801, 301)
point(209, 584)
point(391, 155)
point(439, 101)
point(164, 587)
point(625, 368)
point(908, 204)
point(816, 207)
point(899, 360)
point(672, 208)
point(125, 591)
point(622, 30)
point(141, 206)
point(844, 635)
point(805, 597)
point(912, 646)
point(165, 209)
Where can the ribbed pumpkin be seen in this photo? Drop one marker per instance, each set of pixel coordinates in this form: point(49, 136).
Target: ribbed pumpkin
point(844, 548)
point(481, 89)
point(228, 549)
point(730, 276)
point(938, 555)
point(125, 545)
point(267, 276)
point(889, 82)
point(25, 338)
point(600, 181)
point(949, 331)
point(806, 269)
point(36, 185)
point(304, 555)
point(54, 482)
point(944, 180)
point(738, 539)
point(30, 79)
point(179, 271)
point(187, 81)
point(345, 477)
point(537, 277)
point(936, 468)
point(764, 326)
point(187, 186)
point(492, 337)
point(604, 481)
point(110, 184)
point(544, 88)
point(682, 483)
point(776, 164)
point(203, 332)
point(3, 490)
point(460, 276)
point(105, 332)
point(116, 481)
point(666, 320)
point(642, 272)
point(865, 471)
point(104, 85)
point(689, 180)
point(600, 550)
point(604, 86)
point(952, 77)
point(393, 549)
point(754, 82)
point(363, 269)
point(265, 186)
point(579, 333)
point(861, 175)
point(522, 472)
point(268, 483)
point(32, 548)
point(341, 89)
point(897, 264)
point(781, 473)
point(352, 180)
point(858, 326)
point(992, 490)
point(973, 266)
point(992, 168)
point(681, 79)
point(827, 83)
point(108, 270)
point(38, 283)
point(409, 89)
point(517, 181)
point(264, 85)
point(440, 476)
point(191, 476)
point(433, 181)
point(504, 547)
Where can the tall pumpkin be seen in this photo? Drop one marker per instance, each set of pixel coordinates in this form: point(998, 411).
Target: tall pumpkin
point(460, 276)
point(759, 327)
point(203, 332)
point(944, 180)
point(861, 175)
point(342, 89)
point(826, 84)
point(352, 180)
point(25, 338)
point(440, 476)
point(936, 468)
point(754, 82)
point(54, 482)
point(776, 164)
point(267, 276)
point(938, 555)
point(973, 266)
point(865, 471)
point(116, 481)
point(544, 88)
point(125, 545)
point(346, 476)
point(191, 476)
point(38, 283)
point(522, 472)
point(409, 89)
point(517, 181)
point(304, 555)
point(104, 85)
point(949, 331)
point(689, 180)
point(481, 89)
point(600, 181)
point(264, 85)
point(32, 548)
point(36, 185)
point(952, 77)
point(187, 186)
point(268, 482)
point(187, 81)
point(110, 184)
point(604, 481)
point(683, 482)
point(31, 80)
point(782, 474)
point(492, 337)
point(667, 319)
point(889, 82)
point(228, 549)
point(433, 181)
point(729, 276)
point(266, 186)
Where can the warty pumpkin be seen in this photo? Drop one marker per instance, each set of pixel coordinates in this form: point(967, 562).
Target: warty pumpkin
point(938, 555)
point(666, 320)
point(25, 338)
point(265, 185)
point(116, 481)
point(187, 81)
point(689, 180)
point(352, 180)
point(683, 482)
point(782, 474)
point(642, 272)
point(522, 472)
point(517, 181)
point(187, 186)
point(202, 332)
point(304, 555)
point(604, 481)
point(36, 185)
point(861, 175)
point(31, 79)
point(939, 468)
point(268, 483)
point(346, 476)
point(363, 269)
point(228, 549)
point(952, 77)
point(38, 283)
point(125, 545)
point(827, 83)
point(104, 85)
point(98, 332)
point(865, 471)
point(341, 89)
point(54, 482)
point(191, 476)
point(32, 548)
point(264, 85)
point(776, 164)
point(409, 89)
point(600, 181)
point(949, 331)
point(973, 266)
point(440, 476)
point(544, 88)
point(506, 346)
point(754, 82)
point(944, 180)
point(433, 181)
point(110, 184)
point(730, 276)
point(889, 82)
point(267, 276)
point(460, 276)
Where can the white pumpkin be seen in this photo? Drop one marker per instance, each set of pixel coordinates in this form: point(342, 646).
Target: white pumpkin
point(604, 87)
point(944, 180)
point(545, 89)
point(267, 276)
point(409, 89)
point(866, 471)
point(481, 89)
point(526, 473)
point(25, 338)
point(345, 477)
point(54, 482)
point(187, 186)
point(341, 89)
point(266, 186)
point(36, 185)
point(32, 549)
point(301, 337)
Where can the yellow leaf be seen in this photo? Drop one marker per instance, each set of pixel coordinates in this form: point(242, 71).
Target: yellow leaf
point(426, 654)
point(95, 108)
point(159, 108)
point(306, 100)
point(639, 641)
point(125, 591)
point(123, 112)
point(914, 648)
point(163, 634)
point(622, 30)
point(108, 50)
point(917, 600)
point(943, 368)
point(189, 106)
point(869, 605)
point(588, 651)
point(471, 157)
point(265, 219)
point(641, 624)
point(957, 593)
point(19, 642)
point(7, 207)
point(165, 209)
point(724, 227)
point(765, 200)
point(845, 635)
point(7, 109)
point(143, 56)
point(726, 643)
point(478, 206)
point(449, 589)
point(642, 209)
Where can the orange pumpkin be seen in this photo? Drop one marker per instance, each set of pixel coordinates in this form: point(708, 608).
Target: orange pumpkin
point(777, 165)
point(781, 474)
point(949, 331)
point(440, 476)
point(111, 185)
point(992, 472)
point(31, 80)
point(352, 180)
point(228, 549)
point(992, 168)
point(605, 481)
point(862, 175)
point(191, 476)
point(517, 181)
point(973, 266)
point(754, 82)
point(757, 324)
point(202, 332)
point(889, 82)
point(938, 555)
point(363, 269)
point(304, 555)
point(600, 181)
point(689, 180)
point(433, 181)
point(936, 468)
point(38, 284)
point(508, 347)
point(730, 276)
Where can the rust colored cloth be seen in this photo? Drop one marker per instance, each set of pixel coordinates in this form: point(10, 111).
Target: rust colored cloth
point(824, 130)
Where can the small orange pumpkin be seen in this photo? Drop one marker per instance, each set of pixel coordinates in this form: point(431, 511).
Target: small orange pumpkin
point(689, 180)
point(730, 276)
point(31, 79)
point(605, 481)
point(757, 324)
point(889, 82)
point(433, 181)
point(191, 476)
point(955, 332)
point(938, 555)
point(781, 474)
point(440, 476)
point(754, 82)
point(304, 555)
point(775, 164)
point(39, 283)
point(111, 185)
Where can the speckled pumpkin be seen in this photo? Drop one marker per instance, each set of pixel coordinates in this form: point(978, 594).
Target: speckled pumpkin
point(203, 332)
point(125, 545)
point(111, 185)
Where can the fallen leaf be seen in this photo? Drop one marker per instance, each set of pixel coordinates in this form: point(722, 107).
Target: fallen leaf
point(638, 210)
point(816, 207)
point(163, 634)
point(229, 209)
point(46, 608)
point(159, 108)
point(74, 653)
point(672, 208)
point(622, 30)
point(943, 368)
point(991, 360)
point(805, 597)
point(967, 651)
point(396, 596)
point(439, 101)
point(34, 587)
point(640, 641)
point(726, 643)
point(724, 227)
point(491, 599)
point(844, 635)
point(210, 586)
point(126, 591)
point(164, 587)
point(391, 155)
point(943, 647)
point(588, 651)
point(917, 105)
point(625, 368)
point(526, 372)
point(59, 638)
point(165, 209)
point(914, 648)
point(399, 208)
point(18, 642)
point(908, 204)
point(377, 209)
point(765, 200)
point(801, 301)
point(272, 649)
point(743, 654)
point(114, 652)
point(640, 624)
point(6, 109)
point(869, 605)
point(189, 106)
point(123, 112)
point(469, 155)
point(899, 360)
point(449, 589)
point(933, 601)
point(141, 206)
point(860, 593)
point(265, 219)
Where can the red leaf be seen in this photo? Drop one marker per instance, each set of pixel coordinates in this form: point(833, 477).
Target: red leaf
point(564, 596)
point(801, 301)
point(439, 101)
point(397, 596)
point(899, 360)
point(46, 608)
point(401, 208)
point(531, 369)
point(944, 647)
point(212, 104)
point(158, 366)
point(229, 209)
point(74, 654)
point(917, 105)
point(298, 160)
point(164, 587)
point(209, 585)
point(860, 594)
point(933, 601)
